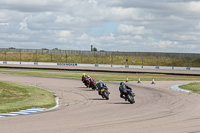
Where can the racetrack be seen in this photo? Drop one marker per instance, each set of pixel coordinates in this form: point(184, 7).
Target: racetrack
point(157, 109)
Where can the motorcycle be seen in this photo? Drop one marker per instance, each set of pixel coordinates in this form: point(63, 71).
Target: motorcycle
point(129, 95)
point(85, 81)
point(92, 85)
point(104, 93)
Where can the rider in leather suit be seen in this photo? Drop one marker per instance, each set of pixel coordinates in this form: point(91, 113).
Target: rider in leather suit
point(101, 85)
point(122, 87)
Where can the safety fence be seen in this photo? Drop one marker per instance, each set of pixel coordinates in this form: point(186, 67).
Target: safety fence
point(103, 53)
point(101, 57)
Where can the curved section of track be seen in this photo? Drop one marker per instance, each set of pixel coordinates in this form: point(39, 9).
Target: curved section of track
point(157, 109)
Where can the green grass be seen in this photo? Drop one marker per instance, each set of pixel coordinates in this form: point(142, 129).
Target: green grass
point(194, 87)
point(104, 76)
point(15, 97)
point(93, 59)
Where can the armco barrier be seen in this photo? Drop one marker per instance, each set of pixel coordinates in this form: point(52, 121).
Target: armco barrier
point(66, 64)
point(100, 65)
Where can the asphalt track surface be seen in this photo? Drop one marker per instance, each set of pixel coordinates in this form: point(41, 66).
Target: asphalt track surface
point(106, 69)
point(158, 109)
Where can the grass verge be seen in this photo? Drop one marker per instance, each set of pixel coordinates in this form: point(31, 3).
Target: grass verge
point(194, 87)
point(104, 76)
point(15, 97)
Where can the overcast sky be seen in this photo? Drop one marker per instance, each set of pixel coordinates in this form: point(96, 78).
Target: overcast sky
point(110, 25)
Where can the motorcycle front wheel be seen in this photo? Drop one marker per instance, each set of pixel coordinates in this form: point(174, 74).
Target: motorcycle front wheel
point(106, 95)
point(130, 98)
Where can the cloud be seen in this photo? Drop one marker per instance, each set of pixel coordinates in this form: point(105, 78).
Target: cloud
point(198, 26)
point(15, 37)
point(3, 17)
point(23, 24)
point(166, 44)
point(4, 24)
point(37, 5)
point(194, 6)
point(129, 29)
point(126, 25)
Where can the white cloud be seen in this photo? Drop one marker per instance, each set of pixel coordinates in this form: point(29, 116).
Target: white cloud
point(84, 37)
point(4, 24)
point(168, 25)
point(123, 13)
point(166, 44)
point(63, 36)
point(64, 33)
point(129, 29)
point(109, 38)
point(194, 6)
point(175, 18)
point(64, 19)
point(94, 2)
point(13, 37)
point(190, 47)
point(3, 17)
point(198, 26)
point(23, 24)
point(138, 37)
point(187, 37)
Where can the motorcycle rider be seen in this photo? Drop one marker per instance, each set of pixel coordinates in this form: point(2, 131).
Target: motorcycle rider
point(84, 78)
point(122, 87)
point(91, 80)
point(100, 86)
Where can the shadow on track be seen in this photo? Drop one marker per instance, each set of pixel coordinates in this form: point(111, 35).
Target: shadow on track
point(86, 89)
point(82, 87)
point(120, 103)
point(89, 90)
point(97, 99)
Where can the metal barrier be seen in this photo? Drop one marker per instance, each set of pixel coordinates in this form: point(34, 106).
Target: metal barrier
point(104, 53)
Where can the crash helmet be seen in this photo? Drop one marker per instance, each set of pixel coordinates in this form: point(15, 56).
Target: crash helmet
point(121, 83)
point(83, 74)
point(88, 76)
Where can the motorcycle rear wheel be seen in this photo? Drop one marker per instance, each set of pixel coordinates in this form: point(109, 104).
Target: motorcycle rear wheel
point(94, 87)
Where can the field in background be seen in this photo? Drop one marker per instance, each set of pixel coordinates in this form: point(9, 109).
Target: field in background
point(94, 59)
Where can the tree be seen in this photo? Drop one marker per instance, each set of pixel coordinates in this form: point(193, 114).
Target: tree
point(11, 48)
point(55, 49)
point(45, 49)
point(94, 49)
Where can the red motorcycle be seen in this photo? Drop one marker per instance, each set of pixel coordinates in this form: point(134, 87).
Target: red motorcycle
point(91, 84)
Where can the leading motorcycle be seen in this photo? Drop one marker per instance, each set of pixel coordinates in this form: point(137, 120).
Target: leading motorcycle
point(129, 95)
